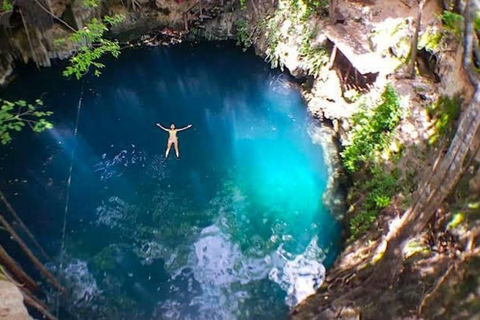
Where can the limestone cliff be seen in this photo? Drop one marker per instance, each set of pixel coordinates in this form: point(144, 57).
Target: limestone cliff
point(11, 302)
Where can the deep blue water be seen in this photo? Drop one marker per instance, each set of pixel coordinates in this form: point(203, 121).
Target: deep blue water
point(234, 229)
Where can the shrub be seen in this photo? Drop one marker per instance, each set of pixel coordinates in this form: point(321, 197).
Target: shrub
point(7, 5)
point(444, 112)
point(371, 132)
point(243, 37)
point(378, 190)
point(452, 23)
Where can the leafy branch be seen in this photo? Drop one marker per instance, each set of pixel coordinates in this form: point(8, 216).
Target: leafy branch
point(91, 46)
point(14, 116)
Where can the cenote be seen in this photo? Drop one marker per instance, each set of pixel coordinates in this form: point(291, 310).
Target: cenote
point(234, 229)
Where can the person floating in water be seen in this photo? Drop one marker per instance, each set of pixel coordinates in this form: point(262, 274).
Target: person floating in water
point(172, 138)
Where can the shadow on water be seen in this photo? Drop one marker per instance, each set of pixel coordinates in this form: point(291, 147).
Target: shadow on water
point(235, 228)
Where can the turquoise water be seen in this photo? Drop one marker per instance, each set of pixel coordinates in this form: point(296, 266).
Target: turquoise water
point(234, 229)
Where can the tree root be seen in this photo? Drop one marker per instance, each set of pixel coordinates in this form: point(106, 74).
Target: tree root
point(439, 282)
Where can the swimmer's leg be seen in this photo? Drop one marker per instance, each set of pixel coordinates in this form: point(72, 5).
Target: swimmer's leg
point(169, 145)
point(175, 144)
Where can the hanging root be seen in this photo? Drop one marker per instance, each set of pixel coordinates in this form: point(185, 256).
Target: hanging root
point(432, 292)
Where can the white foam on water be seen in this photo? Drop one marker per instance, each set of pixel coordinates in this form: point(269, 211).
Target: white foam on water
point(215, 258)
point(216, 264)
point(116, 166)
point(81, 284)
point(301, 276)
point(220, 268)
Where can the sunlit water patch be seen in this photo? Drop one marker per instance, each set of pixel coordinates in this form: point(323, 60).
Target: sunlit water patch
point(237, 228)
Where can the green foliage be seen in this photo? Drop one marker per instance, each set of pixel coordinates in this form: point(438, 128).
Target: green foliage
point(273, 38)
point(378, 190)
point(351, 95)
point(92, 46)
point(315, 56)
point(90, 3)
point(7, 5)
point(370, 137)
point(452, 23)
point(477, 22)
point(456, 220)
point(14, 116)
point(316, 59)
point(371, 132)
point(243, 37)
point(316, 5)
point(430, 40)
point(243, 4)
point(308, 7)
point(443, 113)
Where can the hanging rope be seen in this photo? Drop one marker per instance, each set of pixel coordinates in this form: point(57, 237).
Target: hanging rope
point(69, 183)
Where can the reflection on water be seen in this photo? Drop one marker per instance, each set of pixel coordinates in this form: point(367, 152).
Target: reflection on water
point(234, 229)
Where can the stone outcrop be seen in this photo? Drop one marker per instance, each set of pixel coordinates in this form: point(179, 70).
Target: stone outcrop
point(11, 303)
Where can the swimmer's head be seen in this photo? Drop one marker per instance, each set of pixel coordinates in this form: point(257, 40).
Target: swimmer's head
point(172, 126)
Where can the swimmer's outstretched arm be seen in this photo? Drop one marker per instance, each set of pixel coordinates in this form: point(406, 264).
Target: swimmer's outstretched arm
point(160, 126)
point(185, 128)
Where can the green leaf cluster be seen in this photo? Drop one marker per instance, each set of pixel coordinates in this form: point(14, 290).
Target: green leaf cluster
point(243, 37)
point(14, 116)
point(476, 22)
point(452, 23)
point(7, 5)
point(310, 7)
point(378, 190)
point(315, 56)
point(90, 3)
point(92, 46)
point(371, 136)
point(443, 113)
point(430, 40)
point(372, 131)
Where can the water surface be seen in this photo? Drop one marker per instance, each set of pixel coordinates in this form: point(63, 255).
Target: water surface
point(234, 229)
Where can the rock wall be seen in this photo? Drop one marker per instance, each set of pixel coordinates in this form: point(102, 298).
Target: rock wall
point(11, 302)
point(28, 33)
